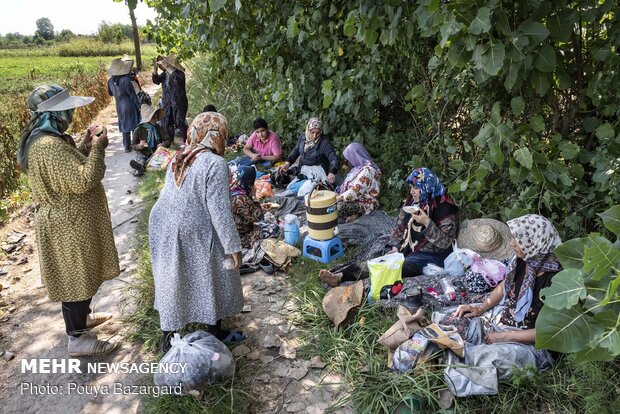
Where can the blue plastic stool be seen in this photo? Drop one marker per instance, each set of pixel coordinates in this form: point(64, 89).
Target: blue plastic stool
point(329, 249)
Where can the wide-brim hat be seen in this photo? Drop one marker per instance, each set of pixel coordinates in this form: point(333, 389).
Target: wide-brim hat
point(487, 237)
point(340, 302)
point(60, 101)
point(147, 112)
point(120, 66)
point(172, 60)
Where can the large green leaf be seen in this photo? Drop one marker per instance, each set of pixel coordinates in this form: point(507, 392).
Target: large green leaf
point(536, 31)
point(449, 28)
point(524, 157)
point(561, 25)
point(493, 60)
point(517, 104)
point(566, 290)
point(537, 123)
point(541, 83)
point(599, 256)
point(482, 21)
point(545, 61)
point(350, 24)
point(570, 253)
point(605, 132)
point(566, 330)
point(611, 219)
point(484, 135)
point(511, 76)
point(215, 5)
point(569, 149)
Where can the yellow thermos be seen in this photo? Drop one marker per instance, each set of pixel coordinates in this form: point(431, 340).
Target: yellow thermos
point(322, 214)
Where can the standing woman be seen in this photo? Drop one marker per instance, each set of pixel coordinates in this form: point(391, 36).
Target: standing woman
point(74, 234)
point(174, 97)
point(427, 224)
point(192, 231)
point(121, 88)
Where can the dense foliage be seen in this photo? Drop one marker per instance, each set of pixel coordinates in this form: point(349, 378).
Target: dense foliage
point(514, 104)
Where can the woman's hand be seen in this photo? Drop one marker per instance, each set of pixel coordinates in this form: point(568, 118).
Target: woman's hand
point(495, 337)
point(87, 139)
point(284, 167)
point(421, 217)
point(338, 198)
point(331, 178)
point(236, 260)
point(101, 139)
point(394, 250)
point(467, 311)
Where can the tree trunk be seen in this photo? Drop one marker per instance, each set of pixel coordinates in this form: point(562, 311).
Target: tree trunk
point(136, 40)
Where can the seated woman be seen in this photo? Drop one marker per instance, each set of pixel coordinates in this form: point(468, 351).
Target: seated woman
point(502, 329)
point(263, 146)
point(147, 137)
point(246, 211)
point(317, 158)
point(425, 232)
point(359, 192)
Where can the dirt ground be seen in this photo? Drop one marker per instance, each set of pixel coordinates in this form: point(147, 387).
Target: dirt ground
point(32, 327)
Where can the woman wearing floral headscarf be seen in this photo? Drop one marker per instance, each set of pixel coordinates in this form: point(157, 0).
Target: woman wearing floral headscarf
point(359, 192)
point(313, 150)
point(503, 329)
point(246, 211)
point(426, 234)
point(192, 231)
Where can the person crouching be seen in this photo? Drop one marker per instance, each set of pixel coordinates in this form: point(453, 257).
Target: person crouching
point(147, 137)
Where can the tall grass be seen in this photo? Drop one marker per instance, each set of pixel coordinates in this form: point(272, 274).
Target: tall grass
point(353, 353)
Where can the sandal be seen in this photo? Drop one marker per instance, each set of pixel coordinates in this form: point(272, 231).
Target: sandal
point(95, 319)
point(86, 345)
point(245, 269)
point(266, 266)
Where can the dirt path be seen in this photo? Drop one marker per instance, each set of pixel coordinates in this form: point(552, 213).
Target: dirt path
point(32, 326)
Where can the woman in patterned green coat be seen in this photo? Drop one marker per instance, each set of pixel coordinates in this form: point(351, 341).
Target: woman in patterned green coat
point(73, 228)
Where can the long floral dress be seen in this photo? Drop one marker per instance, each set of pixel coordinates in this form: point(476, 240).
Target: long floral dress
point(247, 212)
point(361, 194)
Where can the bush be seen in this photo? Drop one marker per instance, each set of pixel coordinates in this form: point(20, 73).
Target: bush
point(92, 47)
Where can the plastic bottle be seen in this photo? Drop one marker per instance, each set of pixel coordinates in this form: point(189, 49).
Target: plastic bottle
point(448, 289)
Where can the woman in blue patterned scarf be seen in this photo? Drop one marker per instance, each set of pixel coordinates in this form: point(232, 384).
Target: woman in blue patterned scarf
point(427, 224)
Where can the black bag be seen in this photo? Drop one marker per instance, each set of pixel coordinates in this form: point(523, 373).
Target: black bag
point(144, 98)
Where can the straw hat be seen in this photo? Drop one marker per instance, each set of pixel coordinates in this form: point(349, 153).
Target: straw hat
point(341, 302)
point(171, 60)
point(487, 237)
point(147, 112)
point(55, 98)
point(120, 66)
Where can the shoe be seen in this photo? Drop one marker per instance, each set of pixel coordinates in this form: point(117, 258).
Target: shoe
point(127, 149)
point(138, 166)
point(96, 319)
point(329, 278)
point(245, 269)
point(87, 345)
point(234, 337)
point(266, 266)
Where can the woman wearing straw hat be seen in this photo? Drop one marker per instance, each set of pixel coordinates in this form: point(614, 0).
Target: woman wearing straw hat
point(174, 97)
point(127, 103)
point(147, 137)
point(74, 234)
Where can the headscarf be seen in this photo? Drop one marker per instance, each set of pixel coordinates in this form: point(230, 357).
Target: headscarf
point(358, 156)
point(198, 141)
point(243, 180)
point(313, 123)
point(152, 137)
point(428, 183)
point(43, 123)
point(537, 238)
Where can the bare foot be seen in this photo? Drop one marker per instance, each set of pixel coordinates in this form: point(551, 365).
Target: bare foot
point(329, 278)
point(352, 218)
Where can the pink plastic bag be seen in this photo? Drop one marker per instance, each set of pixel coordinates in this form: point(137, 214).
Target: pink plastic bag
point(493, 271)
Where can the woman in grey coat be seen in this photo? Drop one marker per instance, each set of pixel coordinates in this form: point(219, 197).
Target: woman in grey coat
point(192, 232)
point(127, 103)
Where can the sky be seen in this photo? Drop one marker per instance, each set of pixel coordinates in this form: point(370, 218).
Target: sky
point(79, 16)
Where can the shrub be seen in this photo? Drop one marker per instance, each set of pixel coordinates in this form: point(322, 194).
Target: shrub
point(92, 47)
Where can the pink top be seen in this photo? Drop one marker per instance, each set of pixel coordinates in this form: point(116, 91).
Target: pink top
point(271, 146)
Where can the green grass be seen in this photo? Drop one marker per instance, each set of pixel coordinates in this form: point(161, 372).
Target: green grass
point(353, 353)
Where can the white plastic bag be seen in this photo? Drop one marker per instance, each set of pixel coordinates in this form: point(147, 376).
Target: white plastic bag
point(459, 260)
point(432, 269)
point(200, 358)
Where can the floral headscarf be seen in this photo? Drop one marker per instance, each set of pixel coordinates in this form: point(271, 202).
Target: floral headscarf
point(243, 180)
point(196, 143)
point(537, 238)
point(313, 123)
point(427, 182)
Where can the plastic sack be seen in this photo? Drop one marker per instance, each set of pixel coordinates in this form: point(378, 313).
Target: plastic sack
point(459, 261)
point(263, 189)
point(384, 270)
point(161, 158)
point(291, 229)
point(432, 269)
point(207, 361)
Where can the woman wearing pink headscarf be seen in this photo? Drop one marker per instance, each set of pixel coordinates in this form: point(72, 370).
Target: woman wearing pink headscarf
point(359, 192)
